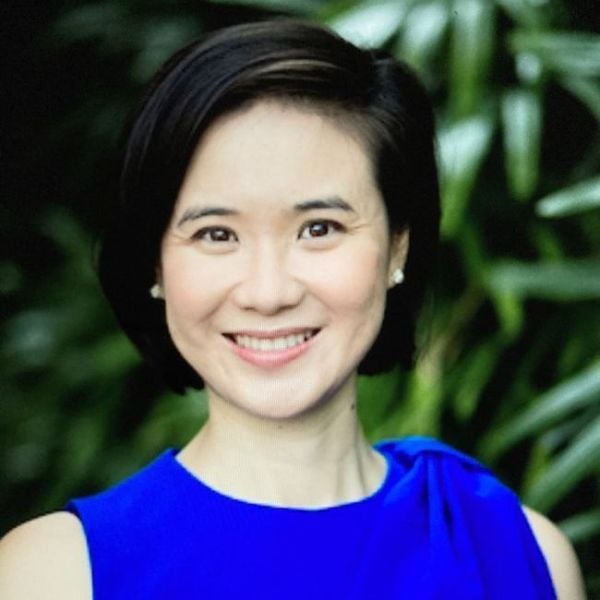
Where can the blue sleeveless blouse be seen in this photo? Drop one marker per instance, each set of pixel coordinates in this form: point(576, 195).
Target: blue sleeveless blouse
point(440, 526)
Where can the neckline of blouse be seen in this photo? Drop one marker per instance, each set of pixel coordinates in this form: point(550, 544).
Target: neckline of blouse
point(170, 456)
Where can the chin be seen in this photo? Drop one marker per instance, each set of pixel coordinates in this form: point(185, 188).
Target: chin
point(272, 399)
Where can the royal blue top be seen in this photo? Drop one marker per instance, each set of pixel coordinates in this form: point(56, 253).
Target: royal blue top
point(440, 526)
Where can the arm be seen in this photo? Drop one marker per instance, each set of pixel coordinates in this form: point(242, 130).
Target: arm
point(45, 558)
point(560, 557)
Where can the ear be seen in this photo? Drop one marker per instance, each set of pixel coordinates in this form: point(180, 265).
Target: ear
point(398, 251)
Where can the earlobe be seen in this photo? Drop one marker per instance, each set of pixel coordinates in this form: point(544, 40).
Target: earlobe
point(156, 291)
point(398, 254)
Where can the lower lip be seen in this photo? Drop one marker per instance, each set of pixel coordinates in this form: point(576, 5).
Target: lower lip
point(272, 358)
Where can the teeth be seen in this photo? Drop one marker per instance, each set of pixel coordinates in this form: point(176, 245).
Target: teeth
point(280, 343)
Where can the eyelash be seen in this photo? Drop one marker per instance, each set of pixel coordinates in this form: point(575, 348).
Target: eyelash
point(338, 227)
point(199, 235)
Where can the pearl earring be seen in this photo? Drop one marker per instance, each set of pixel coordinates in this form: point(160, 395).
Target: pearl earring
point(156, 292)
point(398, 276)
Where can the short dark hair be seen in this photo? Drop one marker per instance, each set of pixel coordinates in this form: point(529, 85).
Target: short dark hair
point(294, 61)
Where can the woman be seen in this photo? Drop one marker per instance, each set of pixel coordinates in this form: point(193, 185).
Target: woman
point(278, 224)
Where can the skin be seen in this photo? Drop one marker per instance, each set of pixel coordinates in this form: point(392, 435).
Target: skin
point(271, 434)
point(286, 436)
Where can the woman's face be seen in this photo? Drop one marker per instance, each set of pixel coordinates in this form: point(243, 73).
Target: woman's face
point(278, 225)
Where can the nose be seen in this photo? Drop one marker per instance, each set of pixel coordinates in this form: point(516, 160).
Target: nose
point(267, 285)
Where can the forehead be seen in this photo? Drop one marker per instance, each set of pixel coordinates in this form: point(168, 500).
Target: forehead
point(276, 154)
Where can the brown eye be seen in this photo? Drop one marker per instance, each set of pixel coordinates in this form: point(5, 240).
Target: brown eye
point(318, 229)
point(213, 234)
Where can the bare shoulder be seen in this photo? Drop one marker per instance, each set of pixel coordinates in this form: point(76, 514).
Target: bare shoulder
point(45, 558)
point(560, 556)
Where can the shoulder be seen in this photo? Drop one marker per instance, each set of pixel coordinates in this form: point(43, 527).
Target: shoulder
point(45, 558)
point(411, 449)
point(559, 554)
point(488, 501)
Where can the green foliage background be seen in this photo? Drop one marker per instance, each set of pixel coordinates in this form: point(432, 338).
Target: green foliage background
point(510, 370)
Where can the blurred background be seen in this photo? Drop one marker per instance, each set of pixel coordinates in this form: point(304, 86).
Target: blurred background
point(510, 367)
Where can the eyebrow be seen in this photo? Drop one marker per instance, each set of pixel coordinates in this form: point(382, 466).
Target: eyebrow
point(197, 212)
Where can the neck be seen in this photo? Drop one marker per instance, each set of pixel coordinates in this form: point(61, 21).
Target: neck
point(316, 460)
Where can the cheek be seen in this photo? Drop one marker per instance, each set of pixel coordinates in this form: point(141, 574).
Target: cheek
point(353, 280)
point(188, 293)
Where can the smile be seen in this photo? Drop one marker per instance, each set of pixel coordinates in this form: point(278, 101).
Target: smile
point(278, 343)
point(272, 352)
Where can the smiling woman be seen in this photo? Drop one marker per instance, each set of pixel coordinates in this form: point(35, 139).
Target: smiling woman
point(279, 264)
point(277, 227)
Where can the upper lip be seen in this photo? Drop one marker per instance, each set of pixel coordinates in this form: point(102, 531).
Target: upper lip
point(275, 333)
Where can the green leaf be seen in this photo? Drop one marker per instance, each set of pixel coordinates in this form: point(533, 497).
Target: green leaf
point(60, 225)
point(422, 32)
point(172, 421)
point(370, 24)
point(463, 147)
point(587, 90)
point(566, 281)
point(419, 410)
point(582, 526)
point(580, 459)
point(113, 355)
point(376, 394)
point(571, 54)
point(89, 21)
point(573, 200)
point(475, 372)
point(159, 40)
point(524, 12)
point(11, 277)
point(471, 51)
point(424, 396)
point(522, 126)
point(569, 396)
point(529, 68)
point(297, 7)
point(510, 313)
